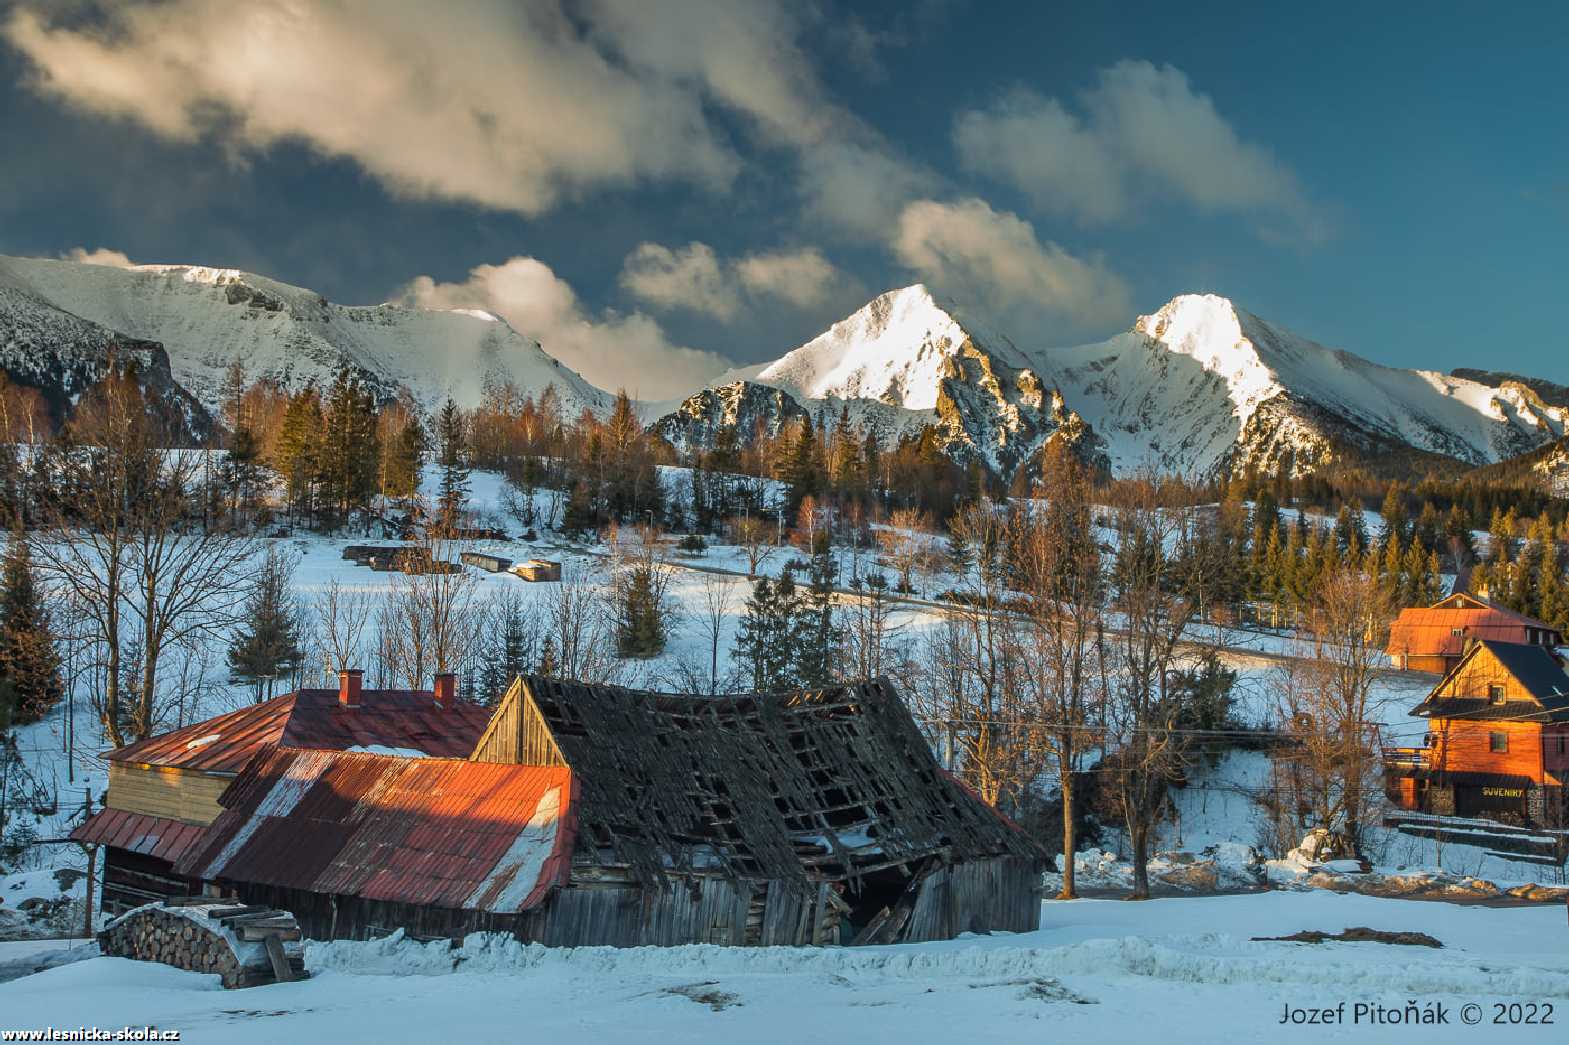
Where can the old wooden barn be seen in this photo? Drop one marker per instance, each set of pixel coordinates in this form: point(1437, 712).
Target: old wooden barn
point(600, 815)
point(164, 791)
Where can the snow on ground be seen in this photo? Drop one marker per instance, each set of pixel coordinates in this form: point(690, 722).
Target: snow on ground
point(1173, 970)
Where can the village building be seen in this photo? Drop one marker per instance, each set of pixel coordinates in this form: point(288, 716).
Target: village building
point(584, 815)
point(1497, 742)
point(1434, 638)
point(164, 791)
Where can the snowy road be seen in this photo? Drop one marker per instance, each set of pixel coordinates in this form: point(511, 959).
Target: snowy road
point(1176, 970)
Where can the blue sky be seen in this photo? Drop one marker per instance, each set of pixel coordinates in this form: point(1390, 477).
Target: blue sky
point(657, 189)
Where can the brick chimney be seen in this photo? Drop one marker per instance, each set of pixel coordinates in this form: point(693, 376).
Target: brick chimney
point(350, 681)
point(446, 690)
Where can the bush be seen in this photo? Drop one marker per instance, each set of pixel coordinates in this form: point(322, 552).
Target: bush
point(693, 544)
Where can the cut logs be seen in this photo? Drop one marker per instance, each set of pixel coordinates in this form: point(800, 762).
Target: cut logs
point(244, 945)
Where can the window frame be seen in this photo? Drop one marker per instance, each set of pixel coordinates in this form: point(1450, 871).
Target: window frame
point(1498, 743)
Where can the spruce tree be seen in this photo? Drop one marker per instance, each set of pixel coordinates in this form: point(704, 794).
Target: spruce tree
point(453, 458)
point(640, 629)
point(815, 637)
point(267, 644)
point(28, 658)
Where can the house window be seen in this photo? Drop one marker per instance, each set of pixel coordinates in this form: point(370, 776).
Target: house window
point(1457, 632)
point(1495, 693)
point(1498, 742)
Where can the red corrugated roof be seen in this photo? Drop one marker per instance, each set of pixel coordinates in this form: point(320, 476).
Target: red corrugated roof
point(313, 718)
point(149, 835)
point(1431, 631)
point(437, 832)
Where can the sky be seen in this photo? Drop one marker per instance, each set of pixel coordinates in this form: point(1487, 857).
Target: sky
point(660, 189)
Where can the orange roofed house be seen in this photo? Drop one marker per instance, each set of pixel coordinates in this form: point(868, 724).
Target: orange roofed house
point(1497, 744)
point(1434, 638)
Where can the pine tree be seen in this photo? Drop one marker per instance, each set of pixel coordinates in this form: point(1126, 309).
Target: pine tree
point(453, 458)
point(296, 454)
point(765, 639)
point(28, 658)
point(548, 666)
point(267, 645)
point(348, 453)
point(816, 638)
point(640, 629)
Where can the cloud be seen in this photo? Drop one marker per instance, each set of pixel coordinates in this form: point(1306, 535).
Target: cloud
point(800, 277)
point(509, 105)
point(98, 256)
point(969, 249)
point(689, 277)
point(612, 350)
point(695, 278)
point(1141, 131)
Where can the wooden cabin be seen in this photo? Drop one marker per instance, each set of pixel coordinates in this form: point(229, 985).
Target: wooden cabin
point(538, 570)
point(595, 815)
point(164, 791)
point(1434, 638)
point(485, 561)
point(1497, 743)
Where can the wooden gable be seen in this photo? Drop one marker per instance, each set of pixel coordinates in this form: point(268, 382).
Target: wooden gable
point(517, 733)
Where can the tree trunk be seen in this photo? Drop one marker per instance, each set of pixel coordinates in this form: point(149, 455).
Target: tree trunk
point(1138, 836)
point(1069, 843)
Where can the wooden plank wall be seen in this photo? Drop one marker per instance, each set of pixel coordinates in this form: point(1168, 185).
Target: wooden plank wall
point(1002, 893)
point(131, 880)
point(178, 794)
point(517, 735)
point(1463, 746)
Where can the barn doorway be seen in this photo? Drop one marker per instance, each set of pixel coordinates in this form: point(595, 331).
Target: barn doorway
point(879, 904)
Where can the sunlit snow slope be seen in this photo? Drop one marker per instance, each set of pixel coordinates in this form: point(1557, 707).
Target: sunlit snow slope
point(207, 318)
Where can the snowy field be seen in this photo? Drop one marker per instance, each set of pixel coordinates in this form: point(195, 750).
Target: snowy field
point(1178, 970)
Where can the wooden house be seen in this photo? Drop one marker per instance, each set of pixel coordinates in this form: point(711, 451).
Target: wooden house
point(1497, 743)
point(538, 570)
point(485, 561)
point(1434, 638)
point(600, 815)
point(164, 791)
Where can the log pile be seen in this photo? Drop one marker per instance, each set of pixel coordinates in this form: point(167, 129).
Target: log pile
point(246, 946)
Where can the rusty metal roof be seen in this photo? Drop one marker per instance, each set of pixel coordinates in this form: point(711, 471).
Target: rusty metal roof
point(313, 718)
point(438, 832)
point(148, 835)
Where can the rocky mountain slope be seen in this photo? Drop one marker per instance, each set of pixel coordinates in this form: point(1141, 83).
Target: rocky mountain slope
point(905, 362)
point(207, 318)
point(1199, 388)
point(61, 355)
point(1202, 387)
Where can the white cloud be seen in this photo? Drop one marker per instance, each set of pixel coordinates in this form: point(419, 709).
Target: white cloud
point(510, 105)
point(688, 277)
point(695, 278)
point(612, 350)
point(970, 250)
point(98, 256)
point(1141, 130)
point(802, 277)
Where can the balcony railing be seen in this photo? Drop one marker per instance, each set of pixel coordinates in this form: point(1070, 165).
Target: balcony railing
point(1405, 757)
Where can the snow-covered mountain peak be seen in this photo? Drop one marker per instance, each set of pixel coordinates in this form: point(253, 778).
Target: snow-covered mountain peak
point(208, 317)
point(896, 349)
point(1221, 338)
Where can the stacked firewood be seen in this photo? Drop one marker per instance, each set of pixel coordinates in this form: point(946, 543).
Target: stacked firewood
point(246, 946)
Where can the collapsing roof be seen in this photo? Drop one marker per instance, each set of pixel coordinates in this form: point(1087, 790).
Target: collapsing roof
point(408, 720)
point(800, 787)
point(438, 832)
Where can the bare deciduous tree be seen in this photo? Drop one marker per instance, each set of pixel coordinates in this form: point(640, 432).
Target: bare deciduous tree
point(342, 615)
point(755, 538)
point(1326, 700)
point(903, 543)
